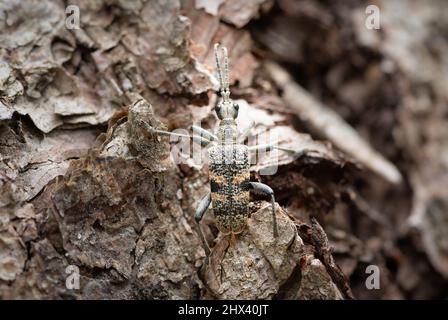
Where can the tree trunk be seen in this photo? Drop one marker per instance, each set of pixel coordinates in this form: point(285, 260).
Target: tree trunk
point(86, 188)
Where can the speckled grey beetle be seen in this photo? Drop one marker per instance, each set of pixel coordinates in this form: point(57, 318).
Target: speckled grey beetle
point(229, 164)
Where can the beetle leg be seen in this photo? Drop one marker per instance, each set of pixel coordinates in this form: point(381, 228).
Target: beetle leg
point(198, 139)
point(254, 150)
point(262, 188)
point(246, 131)
point(270, 147)
point(202, 207)
point(204, 133)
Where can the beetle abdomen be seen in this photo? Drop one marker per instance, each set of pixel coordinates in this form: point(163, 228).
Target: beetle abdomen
point(229, 178)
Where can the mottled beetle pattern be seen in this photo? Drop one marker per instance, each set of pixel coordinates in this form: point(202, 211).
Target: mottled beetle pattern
point(228, 164)
point(229, 185)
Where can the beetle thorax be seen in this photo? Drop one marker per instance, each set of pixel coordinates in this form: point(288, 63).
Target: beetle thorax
point(227, 132)
point(227, 112)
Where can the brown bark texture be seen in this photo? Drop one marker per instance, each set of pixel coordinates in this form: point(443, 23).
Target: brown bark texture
point(86, 188)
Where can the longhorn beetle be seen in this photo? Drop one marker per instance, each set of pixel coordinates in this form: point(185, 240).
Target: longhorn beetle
point(229, 163)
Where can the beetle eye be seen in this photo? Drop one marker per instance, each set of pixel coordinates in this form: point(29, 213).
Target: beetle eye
point(235, 110)
point(218, 111)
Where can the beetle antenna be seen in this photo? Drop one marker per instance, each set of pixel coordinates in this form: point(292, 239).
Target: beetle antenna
point(226, 69)
point(223, 73)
